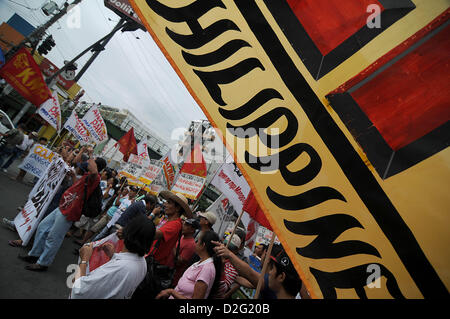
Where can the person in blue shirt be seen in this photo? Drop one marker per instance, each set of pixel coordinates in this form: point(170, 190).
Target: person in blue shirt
point(255, 260)
point(144, 207)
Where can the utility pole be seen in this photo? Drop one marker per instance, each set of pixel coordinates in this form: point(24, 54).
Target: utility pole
point(122, 23)
point(36, 35)
point(101, 48)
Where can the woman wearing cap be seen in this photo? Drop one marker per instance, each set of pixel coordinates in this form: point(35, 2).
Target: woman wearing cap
point(207, 220)
point(200, 280)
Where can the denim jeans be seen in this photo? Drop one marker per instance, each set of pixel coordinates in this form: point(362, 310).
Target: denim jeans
point(49, 237)
point(15, 154)
point(5, 151)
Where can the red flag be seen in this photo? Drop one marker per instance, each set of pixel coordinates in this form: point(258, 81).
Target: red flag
point(127, 144)
point(195, 163)
point(251, 206)
point(24, 75)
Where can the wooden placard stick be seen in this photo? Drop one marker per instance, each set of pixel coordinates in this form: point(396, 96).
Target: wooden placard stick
point(264, 269)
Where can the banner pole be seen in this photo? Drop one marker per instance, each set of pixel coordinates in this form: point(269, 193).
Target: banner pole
point(54, 140)
point(264, 269)
point(207, 184)
point(235, 226)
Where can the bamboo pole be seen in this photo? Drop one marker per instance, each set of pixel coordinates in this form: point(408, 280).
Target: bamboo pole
point(235, 227)
point(264, 269)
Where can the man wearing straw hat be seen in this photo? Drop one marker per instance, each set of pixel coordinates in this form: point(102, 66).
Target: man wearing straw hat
point(166, 238)
point(168, 235)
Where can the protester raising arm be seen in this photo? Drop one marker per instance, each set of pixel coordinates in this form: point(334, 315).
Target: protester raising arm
point(241, 266)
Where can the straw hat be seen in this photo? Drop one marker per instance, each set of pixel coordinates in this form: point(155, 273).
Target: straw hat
point(179, 199)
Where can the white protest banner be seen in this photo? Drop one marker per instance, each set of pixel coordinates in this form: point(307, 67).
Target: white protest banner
point(264, 235)
point(93, 121)
point(223, 210)
point(51, 111)
point(132, 172)
point(28, 219)
point(38, 160)
point(77, 129)
point(151, 171)
point(230, 181)
point(188, 185)
point(159, 184)
point(142, 149)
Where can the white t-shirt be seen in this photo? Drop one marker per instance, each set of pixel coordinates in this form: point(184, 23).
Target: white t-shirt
point(117, 279)
point(26, 143)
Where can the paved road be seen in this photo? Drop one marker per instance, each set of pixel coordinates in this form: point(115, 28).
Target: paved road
point(15, 281)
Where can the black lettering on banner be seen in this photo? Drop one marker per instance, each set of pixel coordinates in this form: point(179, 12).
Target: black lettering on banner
point(265, 121)
point(220, 55)
point(212, 79)
point(326, 228)
point(47, 186)
point(286, 157)
point(307, 199)
point(202, 36)
point(251, 106)
point(353, 278)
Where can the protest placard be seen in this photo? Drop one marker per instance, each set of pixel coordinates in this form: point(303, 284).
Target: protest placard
point(38, 160)
point(45, 189)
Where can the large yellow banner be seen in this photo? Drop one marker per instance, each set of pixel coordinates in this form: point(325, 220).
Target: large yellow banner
point(318, 103)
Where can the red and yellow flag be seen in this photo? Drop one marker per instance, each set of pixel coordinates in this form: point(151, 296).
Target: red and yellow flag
point(24, 75)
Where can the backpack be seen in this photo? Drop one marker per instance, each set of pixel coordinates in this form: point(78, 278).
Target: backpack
point(92, 207)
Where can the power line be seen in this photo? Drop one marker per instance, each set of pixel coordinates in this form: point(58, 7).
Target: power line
point(14, 9)
point(19, 4)
point(147, 67)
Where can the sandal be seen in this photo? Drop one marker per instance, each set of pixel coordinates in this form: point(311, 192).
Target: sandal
point(15, 243)
point(36, 267)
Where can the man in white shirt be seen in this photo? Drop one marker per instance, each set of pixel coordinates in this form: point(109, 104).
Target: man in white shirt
point(19, 149)
point(119, 277)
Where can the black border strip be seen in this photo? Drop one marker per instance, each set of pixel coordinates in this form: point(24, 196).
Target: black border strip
point(316, 63)
point(364, 183)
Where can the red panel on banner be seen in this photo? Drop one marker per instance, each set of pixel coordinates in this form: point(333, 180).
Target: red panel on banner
point(410, 98)
point(331, 22)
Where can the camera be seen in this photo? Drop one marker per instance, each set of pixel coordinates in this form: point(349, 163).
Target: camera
point(161, 205)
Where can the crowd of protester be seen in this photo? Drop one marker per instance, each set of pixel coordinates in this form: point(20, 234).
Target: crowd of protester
point(161, 249)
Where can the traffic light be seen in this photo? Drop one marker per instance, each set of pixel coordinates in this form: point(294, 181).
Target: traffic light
point(47, 45)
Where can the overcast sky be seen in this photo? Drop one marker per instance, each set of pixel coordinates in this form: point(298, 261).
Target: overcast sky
point(130, 74)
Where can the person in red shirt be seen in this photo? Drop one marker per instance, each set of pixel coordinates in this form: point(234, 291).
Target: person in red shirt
point(52, 229)
point(187, 249)
point(167, 236)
